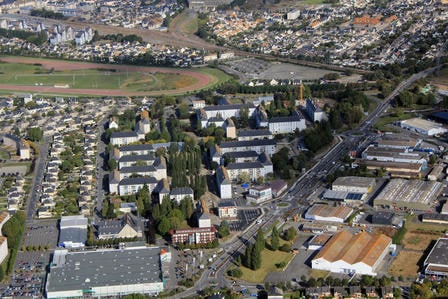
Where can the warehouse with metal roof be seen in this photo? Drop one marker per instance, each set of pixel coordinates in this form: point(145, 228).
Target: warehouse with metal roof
point(436, 264)
point(322, 212)
point(108, 272)
point(409, 194)
point(352, 254)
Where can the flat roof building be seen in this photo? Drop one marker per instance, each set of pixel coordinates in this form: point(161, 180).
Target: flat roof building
point(322, 212)
point(73, 232)
point(352, 254)
point(436, 264)
point(409, 194)
point(354, 184)
point(423, 126)
point(105, 272)
point(395, 169)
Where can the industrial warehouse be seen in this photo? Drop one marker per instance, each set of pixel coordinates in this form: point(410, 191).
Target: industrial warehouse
point(352, 254)
point(409, 194)
point(108, 272)
point(322, 212)
point(436, 264)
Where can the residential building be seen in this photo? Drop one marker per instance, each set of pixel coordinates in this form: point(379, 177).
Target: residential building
point(230, 128)
point(162, 190)
point(204, 220)
point(352, 254)
point(223, 183)
point(180, 193)
point(134, 160)
point(422, 126)
point(198, 235)
point(436, 263)
point(313, 111)
point(105, 272)
point(21, 146)
point(3, 248)
point(222, 112)
point(259, 194)
point(128, 226)
point(245, 135)
point(123, 138)
point(227, 209)
point(4, 217)
point(278, 187)
point(323, 212)
point(268, 146)
point(130, 186)
point(73, 231)
point(239, 157)
point(287, 124)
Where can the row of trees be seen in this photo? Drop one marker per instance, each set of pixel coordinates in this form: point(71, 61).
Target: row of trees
point(32, 37)
point(45, 13)
point(252, 256)
point(13, 230)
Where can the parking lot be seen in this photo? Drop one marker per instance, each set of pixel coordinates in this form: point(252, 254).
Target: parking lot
point(42, 233)
point(244, 218)
point(29, 276)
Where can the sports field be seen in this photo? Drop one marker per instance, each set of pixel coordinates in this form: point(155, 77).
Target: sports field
point(46, 76)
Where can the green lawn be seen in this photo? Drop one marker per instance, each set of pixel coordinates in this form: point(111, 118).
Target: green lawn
point(4, 154)
point(186, 22)
point(105, 77)
point(268, 260)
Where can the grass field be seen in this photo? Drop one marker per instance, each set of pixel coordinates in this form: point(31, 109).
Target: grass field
point(55, 76)
point(268, 260)
point(186, 22)
point(406, 264)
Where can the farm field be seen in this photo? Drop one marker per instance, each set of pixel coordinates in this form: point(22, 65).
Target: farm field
point(63, 77)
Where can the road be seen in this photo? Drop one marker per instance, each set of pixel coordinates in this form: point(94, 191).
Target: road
point(100, 165)
point(299, 192)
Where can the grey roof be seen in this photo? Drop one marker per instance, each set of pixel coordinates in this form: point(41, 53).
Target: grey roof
point(246, 143)
point(114, 226)
point(137, 169)
point(244, 165)
point(86, 269)
point(70, 221)
point(73, 234)
point(435, 216)
point(439, 254)
point(252, 133)
point(282, 119)
point(181, 191)
point(135, 158)
point(226, 204)
point(242, 154)
point(123, 134)
point(226, 107)
point(138, 181)
point(136, 147)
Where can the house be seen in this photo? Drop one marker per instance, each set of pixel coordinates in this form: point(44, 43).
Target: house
point(129, 226)
point(227, 209)
point(180, 193)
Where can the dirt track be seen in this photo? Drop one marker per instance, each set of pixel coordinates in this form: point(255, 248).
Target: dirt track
point(202, 79)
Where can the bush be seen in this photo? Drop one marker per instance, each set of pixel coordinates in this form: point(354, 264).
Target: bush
point(281, 265)
point(236, 272)
point(285, 248)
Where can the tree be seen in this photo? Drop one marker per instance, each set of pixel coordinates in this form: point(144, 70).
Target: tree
point(112, 164)
point(275, 241)
point(35, 134)
point(224, 229)
point(236, 272)
point(290, 234)
point(164, 226)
